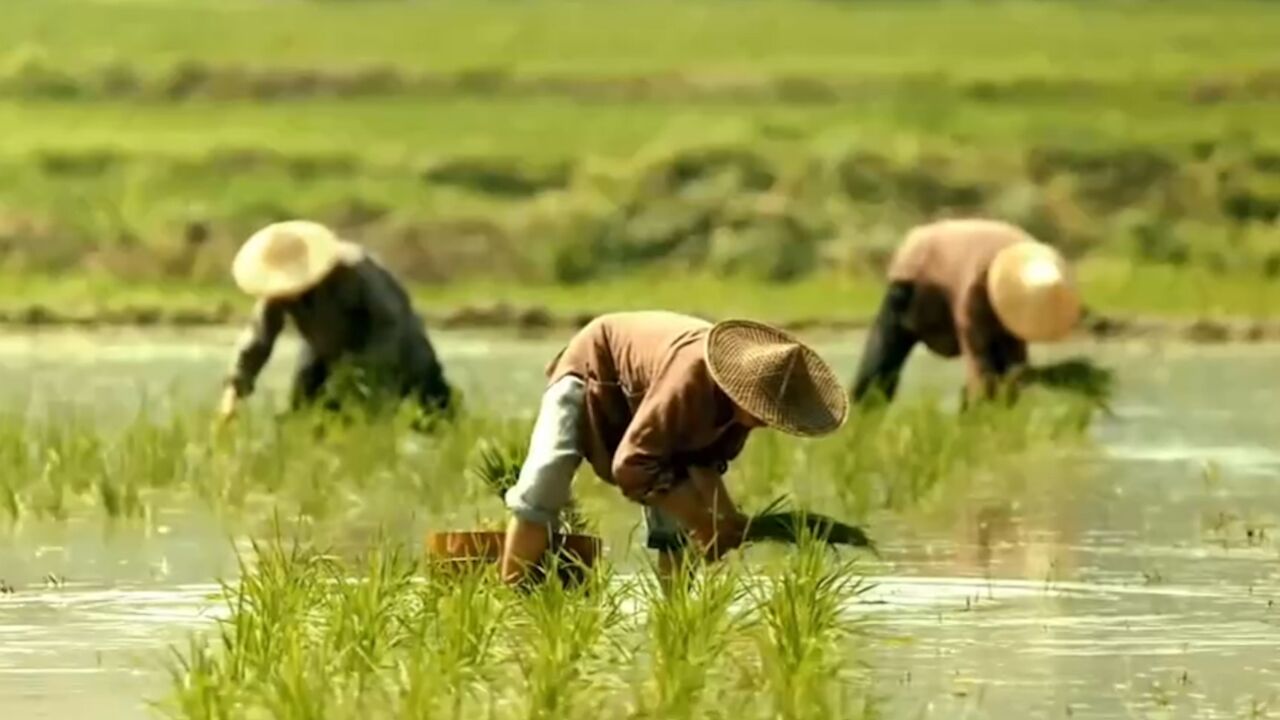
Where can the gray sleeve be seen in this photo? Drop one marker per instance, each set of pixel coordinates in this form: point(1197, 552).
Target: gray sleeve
point(546, 477)
point(255, 346)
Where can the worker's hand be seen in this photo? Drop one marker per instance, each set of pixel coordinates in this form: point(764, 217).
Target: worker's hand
point(703, 506)
point(729, 526)
point(227, 406)
point(524, 546)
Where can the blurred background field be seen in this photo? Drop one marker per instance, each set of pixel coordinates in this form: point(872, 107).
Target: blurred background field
point(758, 157)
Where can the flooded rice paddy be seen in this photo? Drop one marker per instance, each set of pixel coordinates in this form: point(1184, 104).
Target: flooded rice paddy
point(1140, 579)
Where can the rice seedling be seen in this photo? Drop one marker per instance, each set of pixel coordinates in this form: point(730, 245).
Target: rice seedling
point(563, 636)
point(692, 625)
point(899, 458)
point(357, 473)
point(804, 612)
point(794, 526)
point(316, 634)
point(457, 631)
point(1075, 375)
point(497, 467)
point(310, 634)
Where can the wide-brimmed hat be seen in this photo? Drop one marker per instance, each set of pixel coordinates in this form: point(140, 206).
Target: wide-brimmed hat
point(288, 258)
point(775, 378)
point(1033, 292)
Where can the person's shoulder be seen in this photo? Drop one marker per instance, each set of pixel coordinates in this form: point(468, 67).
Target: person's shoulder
point(370, 264)
point(372, 270)
point(957, 242)
point(909, 259)
point(977, 231)
point(647, 317)
point(951, 229)
point(648, 321)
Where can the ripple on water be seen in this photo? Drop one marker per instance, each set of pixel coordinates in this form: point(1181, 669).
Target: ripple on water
point(1236, 457)
point(54, 629)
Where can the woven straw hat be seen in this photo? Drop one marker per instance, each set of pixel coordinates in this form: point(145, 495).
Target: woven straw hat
point(1033, 293)
point(776, 378)
point(288, 258)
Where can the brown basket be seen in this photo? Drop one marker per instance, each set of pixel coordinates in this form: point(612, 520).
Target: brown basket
point(469, 548)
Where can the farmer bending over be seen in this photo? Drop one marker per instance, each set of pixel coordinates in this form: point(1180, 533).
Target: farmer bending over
point(351, 313)
point(658, 404)
point(980, 289)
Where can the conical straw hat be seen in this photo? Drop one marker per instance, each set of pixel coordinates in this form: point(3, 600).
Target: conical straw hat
point(1033, 293)
point(776, 378)
point(288, 258)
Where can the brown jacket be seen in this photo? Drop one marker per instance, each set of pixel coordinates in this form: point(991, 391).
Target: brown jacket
point(946, 263)
point(653, 410)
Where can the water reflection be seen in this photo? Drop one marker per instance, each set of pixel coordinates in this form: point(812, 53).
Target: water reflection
point(1143, 583)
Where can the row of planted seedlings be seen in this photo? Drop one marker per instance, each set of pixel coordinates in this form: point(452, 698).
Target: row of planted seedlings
point(71, 462)
point(342, 468)
point(311, 635)
point(765, 634)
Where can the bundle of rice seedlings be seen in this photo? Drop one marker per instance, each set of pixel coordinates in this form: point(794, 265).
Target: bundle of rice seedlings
point(497, 466)
point(776, 524)
point(1080, 376)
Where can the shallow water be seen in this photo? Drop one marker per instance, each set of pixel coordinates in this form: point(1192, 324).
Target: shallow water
point(1142, 582)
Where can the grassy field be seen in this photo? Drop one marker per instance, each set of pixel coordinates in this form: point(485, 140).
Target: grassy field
point(565, 154)
point(391, 132)
point(1113, 289)
point(1004, 39)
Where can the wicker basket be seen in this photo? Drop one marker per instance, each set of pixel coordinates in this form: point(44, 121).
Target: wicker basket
point(467, 549)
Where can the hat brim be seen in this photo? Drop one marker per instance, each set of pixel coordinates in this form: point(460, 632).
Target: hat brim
point(256, 275)
point(1034, 312)
point(803, 398)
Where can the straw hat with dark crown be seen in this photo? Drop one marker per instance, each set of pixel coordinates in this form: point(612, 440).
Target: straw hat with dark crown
point(776, 378)
point(1033, 293)
point(289, 258)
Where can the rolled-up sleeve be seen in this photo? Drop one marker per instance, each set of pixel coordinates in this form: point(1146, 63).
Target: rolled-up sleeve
point(678, 413)
point(255, 346)
point(546, 477)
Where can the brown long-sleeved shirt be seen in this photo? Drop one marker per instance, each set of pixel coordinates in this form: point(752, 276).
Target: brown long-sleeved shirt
point(652, 408)
point(946, 263)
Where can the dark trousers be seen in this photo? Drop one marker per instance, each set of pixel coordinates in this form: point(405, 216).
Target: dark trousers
point(426, 386)
point(889, 343)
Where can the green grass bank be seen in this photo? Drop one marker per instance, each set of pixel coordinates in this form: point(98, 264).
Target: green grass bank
point(755, 157)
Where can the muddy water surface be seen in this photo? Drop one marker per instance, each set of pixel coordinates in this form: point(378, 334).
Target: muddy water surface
point(1143, 581)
